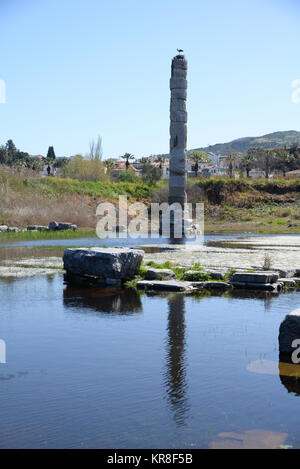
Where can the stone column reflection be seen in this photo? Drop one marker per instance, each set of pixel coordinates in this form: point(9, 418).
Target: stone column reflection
point(175, 375)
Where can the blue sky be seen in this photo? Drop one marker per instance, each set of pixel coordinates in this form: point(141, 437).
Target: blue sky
point(77, 69)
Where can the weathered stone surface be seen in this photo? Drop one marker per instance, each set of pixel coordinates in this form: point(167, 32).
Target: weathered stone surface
point(179, 93)
point(66, 226)
point(198, 285)
point(217, 274)
point(57, 226)
point(178, 116)
point(256, 277)
point(287, 273)
point(178, 83)
point(3, 228)
point(157, 274)
point(164, 285)
point(214, 274)
point(53, 225)
point(289, 331)
point(178, 131)
point(178, 104)
point(114, 263)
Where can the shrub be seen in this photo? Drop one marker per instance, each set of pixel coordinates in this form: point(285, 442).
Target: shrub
point(85, 169)
point(128, 176)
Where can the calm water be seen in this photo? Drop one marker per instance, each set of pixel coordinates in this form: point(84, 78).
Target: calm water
point(128, 242)
point(96, 368)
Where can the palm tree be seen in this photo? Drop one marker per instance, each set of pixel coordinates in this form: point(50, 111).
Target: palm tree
point(109, 165)
point(199, 157)
point(248, 161)
point(233, 159)
point(282, 160)
point(160, 160)
point(127, 157)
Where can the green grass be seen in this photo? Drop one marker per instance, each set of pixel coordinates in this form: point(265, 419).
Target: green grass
point(55, 187)
point(180, 271)
point(46, 235)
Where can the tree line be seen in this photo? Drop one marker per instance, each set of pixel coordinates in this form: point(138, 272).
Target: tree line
point(281, 160)
point(10, 155)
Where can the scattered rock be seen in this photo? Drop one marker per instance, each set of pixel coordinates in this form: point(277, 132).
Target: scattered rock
point(159, 274)
point(37, 228)
point(53, 225)
point(57, 226)
point(289, 282)
point(114, 263)
point(3, 228)
point(13, 229)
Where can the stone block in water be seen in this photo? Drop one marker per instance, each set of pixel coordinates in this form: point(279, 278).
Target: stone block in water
point(113, 263)
point(158, 274)
point(255, 277)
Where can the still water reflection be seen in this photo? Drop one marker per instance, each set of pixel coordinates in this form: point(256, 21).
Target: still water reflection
point(96, 368)
point(175, 379)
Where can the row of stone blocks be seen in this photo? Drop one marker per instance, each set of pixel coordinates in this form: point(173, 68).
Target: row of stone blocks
point(53, 226)
point(267, 281)
point(116, 265)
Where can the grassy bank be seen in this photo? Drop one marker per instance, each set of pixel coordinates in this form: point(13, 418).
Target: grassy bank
point(46, 235)
point(245, 205)
point(235, 206)
point(34, 200)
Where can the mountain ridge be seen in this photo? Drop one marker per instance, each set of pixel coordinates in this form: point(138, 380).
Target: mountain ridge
point(274, 139)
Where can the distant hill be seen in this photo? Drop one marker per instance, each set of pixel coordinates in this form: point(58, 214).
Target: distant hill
point(275, 139)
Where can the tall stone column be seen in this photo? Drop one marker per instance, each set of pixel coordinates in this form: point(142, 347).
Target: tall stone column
point(178, 131)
